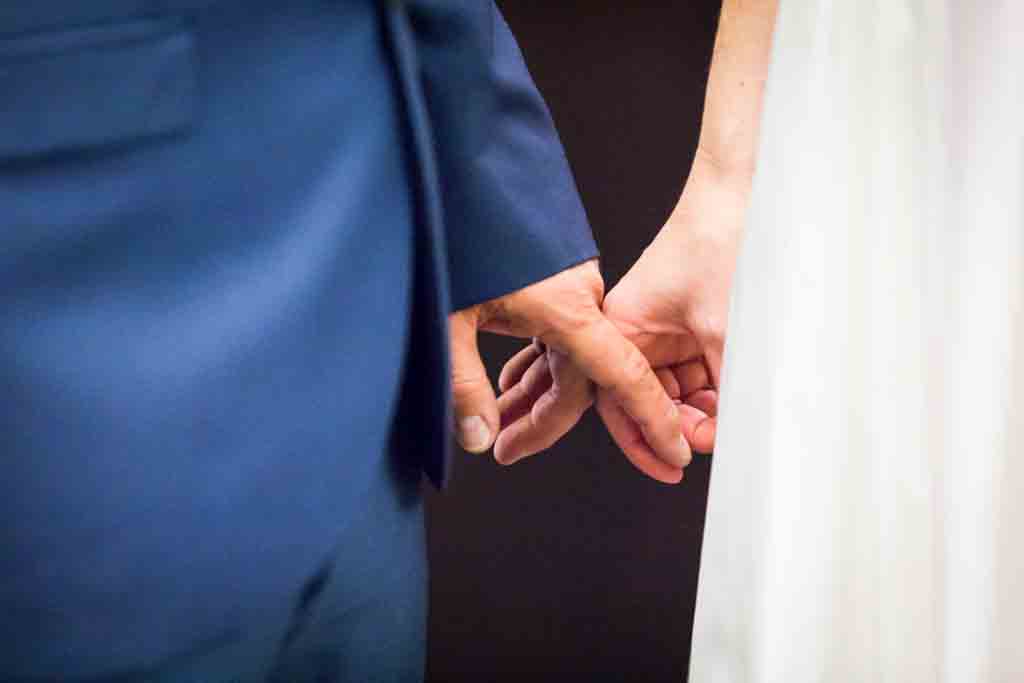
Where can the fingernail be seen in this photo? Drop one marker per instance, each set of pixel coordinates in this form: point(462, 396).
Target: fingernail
point(507, 460)
point(685, 454)
point(475, 434)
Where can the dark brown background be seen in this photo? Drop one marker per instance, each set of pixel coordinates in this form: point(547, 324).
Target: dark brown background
point(572, 566)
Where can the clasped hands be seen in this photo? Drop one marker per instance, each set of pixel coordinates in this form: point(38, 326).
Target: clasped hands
point(649, 353)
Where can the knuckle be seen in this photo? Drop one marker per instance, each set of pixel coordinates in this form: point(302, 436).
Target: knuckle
point(715, 337)
point(643, 422)
point(668, 382)
point(463, 380)
point(578, 315)
point(635, 370)
point(577, 308)
point(593, 282)
point(711, 327)
point(614, 305)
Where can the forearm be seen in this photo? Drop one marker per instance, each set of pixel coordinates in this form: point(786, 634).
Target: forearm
point(732, 104)
point(708, 222)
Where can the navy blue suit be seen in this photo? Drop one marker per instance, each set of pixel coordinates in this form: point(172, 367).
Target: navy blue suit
point(231, 233)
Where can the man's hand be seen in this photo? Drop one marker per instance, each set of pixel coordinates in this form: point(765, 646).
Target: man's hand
point(548, 385)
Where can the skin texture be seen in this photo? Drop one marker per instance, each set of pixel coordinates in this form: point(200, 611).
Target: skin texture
point(576, 348)
point(672, 306)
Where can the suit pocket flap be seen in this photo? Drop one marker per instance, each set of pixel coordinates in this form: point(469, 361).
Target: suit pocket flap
point(77, 89)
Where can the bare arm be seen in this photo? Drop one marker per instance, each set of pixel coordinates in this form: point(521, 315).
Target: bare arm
point(732, 103)
point(674, 302)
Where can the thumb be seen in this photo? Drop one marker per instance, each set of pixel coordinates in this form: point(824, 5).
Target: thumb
point(476, 408)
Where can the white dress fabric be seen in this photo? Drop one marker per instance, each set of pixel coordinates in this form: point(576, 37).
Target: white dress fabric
point(866, 511)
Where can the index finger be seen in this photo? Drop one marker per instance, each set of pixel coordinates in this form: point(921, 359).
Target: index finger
point(612, 362)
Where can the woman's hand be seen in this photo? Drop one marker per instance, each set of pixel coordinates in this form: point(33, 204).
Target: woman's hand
point(673, 305)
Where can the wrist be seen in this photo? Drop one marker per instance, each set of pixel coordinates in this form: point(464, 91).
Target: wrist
point(712, 207)
point(727, 170)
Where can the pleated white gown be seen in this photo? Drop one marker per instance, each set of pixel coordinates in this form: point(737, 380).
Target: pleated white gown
point(866, 512)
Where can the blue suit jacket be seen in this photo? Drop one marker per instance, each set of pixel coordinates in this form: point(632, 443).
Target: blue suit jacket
point(232, 231)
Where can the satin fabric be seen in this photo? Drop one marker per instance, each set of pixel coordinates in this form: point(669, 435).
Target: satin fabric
point(864, 511)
